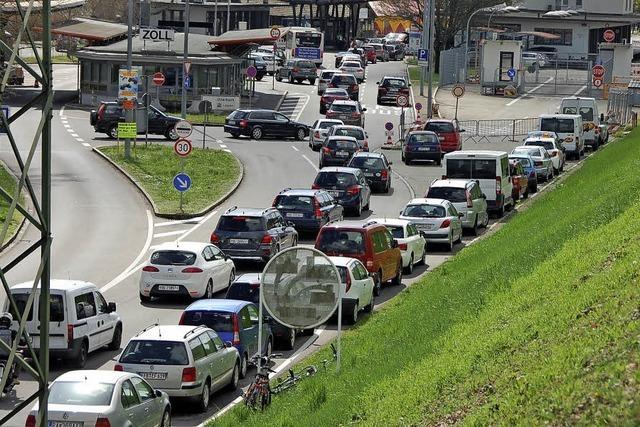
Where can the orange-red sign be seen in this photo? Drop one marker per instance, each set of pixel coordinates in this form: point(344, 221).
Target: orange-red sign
point(128, 104)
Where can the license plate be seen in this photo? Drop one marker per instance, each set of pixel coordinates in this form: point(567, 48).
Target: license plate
point(368, 174)
point(343, 116)
point(334, 193)
point(342, 153)
point(424, 148)
point(425, 227)
point(238, 241)
point(441, 138)
point(153, 375)
point(294, 215)
point(66, 424)
point(232, 122)
point(173, 288)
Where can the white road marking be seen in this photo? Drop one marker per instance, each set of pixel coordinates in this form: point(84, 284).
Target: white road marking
point(86, 145)
point(66, 125)
point(219, 141)
point(131, 268)
point(79, 139)
point(311, 163)
point(178, 222)
point(61, 112)
point(223, 146)
point(195, 227)
point(75, 135)
point(167, 234)
point(580, 90)
point(529, 91)
point(295, 148)
point(227, 150)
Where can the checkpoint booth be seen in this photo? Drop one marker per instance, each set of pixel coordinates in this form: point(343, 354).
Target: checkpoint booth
point(501, 67)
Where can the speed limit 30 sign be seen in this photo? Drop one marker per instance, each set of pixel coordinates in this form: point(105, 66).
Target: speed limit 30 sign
point(182, 147)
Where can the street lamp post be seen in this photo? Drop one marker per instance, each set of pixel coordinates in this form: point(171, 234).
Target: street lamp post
point(130, 118)
point(432, 37)
point(467, 37)
point(185, 57)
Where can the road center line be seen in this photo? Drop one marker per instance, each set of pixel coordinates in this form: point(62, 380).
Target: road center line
point(580, 90)
point(168, 233)
point(310, 162)
point(182, 221)
point(195, 227)
point(295, 148)
point(529, 91)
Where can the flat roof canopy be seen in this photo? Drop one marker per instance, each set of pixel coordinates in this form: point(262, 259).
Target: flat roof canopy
point(93, 30)
point(237, 38)
point(540, 34)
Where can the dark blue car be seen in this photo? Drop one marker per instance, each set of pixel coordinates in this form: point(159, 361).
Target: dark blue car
point(530, 169)
point(308, 210)
point(234, 321)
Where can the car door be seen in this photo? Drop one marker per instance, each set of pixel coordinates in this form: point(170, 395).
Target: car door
point(155, 122)
point(148, 404)
point(87, 324)
point(412, 242)
point(135, 412)
point(254, 315)
point(212, 362)
point(366, 190)
point(226, 356)
point(284, 127)
point(222, 267)
point(362, 276)
point(284, 231)
point(199, 359)
point(421, 242)
point(265, 120)
point(249, 332)
point(455, 221)
point(105, 320)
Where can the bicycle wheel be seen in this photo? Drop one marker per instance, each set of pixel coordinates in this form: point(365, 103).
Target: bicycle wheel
point(265, 399)
point(251, 396)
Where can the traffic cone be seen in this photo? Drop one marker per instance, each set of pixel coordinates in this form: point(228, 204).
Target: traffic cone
point(418, 118)
point(389, 140)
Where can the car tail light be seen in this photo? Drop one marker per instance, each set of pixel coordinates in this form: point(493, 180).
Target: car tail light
point(444, 177)
point(348, 283)
point(266, 239)
point(365, 144)
point(353, 87)
point(382, 90)
point(355, 114)
point(315, 186)
point(295, 69)
point(532, 174)
point(354, 190)
point(150, 269)
point(554, 153)
point(316, 134)
point(405, 90)
point(70, 335)
point(118, 368)
point(31, 421)
point(403, 246)
point(101, 110)
point(192, 270)
point(189, 375)
point(317, 211)
point(214, 238)
point(537, 163)
point(469, 200)
point(370, 265)
point(332, 85)
point(384, 174)
point(498, 185)
point(103, 422)
point(326, 150)
point(236, 330)
point(445, 223)
point(330, 114)
point(244, 123)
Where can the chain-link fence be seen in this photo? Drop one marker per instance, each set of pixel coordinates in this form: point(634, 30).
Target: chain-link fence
point(451, 66)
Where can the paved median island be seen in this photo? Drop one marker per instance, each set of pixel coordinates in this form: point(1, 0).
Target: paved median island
point(536, 324)
point(214, 174)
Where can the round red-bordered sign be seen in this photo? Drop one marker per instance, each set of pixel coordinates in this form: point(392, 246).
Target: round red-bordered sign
point(158, 79)
point(597, 82)
point(182, 147)
point(609, 35)
point(274, 33)
point(598, 71)
point(402, 100)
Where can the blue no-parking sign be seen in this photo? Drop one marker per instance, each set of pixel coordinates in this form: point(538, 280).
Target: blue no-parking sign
point(182, 182)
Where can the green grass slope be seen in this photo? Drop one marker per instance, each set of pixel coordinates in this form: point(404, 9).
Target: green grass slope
point(538, 324)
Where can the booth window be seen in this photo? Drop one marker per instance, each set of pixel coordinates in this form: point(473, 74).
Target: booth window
point(506, 63)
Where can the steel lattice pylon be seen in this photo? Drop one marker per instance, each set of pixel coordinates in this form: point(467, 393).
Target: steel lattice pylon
point(42, 73)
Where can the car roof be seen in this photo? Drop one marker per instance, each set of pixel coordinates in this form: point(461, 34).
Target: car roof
point(394, 77)
point(345, 102)
point(344, 74)
point(299, 192)
point(422, 132)
point(392, 221)
point(578, 98)
point(476, 153)
point(455, 183)
point(257, 212)
point(353, 224)
point(527, 147)
point(58, 285)
point(166, 332)
point(329, 71)
point(181, 246)
point(441, 120)
point(342, 169)
point(93, 375)
point(368, 154)
point(428, 201)
point(248, 278)
point(341, 261)
point(226, 305)
point(540, 138)
point(349, 126)
point(560, 116)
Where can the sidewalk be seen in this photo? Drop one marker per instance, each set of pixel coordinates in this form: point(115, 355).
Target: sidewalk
point(266, 99)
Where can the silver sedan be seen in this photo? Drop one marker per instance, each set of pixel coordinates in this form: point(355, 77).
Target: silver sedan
point(437, 219)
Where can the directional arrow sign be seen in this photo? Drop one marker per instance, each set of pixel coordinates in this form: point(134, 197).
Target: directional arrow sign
point(182, 182)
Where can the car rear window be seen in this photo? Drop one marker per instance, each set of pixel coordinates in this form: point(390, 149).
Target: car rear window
point(371, 163)
point(524, 162)
point(343, 108)
point(342, 144)
point(343, 80)
point(336, 92)
point(451, 194)
point(244, 291)
point(552, 124)
point(327, 125)
point(341, 241)
point(326, 75)
point(303, 203)
point(340, 180)
point(548, 145)
point(424, 211)
point(393, 83)
point(439, 127)
point(237, 115)
point(533, 152)
point(306, 64)
point(351, 64)
point(422, 139)
point(219, 321)
point(344, 274)
point(356, 133)
point(396, 231)
point(152, 352)
point(173, 258)
point(80, 393)
point(471, 168)
point(241, 223)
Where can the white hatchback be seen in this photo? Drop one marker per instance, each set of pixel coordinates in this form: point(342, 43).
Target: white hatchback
point(541, 159)
point(411, 242)
point(438, 219)
point(191, 269)
point(319, 132)
point(358, 291)
point(555, 150)
point(353, 67)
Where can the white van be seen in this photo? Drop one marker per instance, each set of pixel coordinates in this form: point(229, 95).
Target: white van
point(569, 129)
point(489, 168)
point(595, 131)
point(80, 319)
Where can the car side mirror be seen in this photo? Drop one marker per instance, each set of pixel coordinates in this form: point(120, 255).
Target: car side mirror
point(460, 215)
point(364, 109)
point(228, 344)
point(390, 163)
point(409, 85)
point(484, 196)
point(602, 117)
point(462, 130)
point(377, 83)
point(111, 307)
point(267, 319)
point(158, 393)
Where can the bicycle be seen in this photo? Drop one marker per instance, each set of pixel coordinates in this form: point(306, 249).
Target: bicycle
point(334, 351)
point(294, 378)
point(258, 394)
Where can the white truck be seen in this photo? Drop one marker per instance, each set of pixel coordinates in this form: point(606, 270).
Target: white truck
point(595, 130)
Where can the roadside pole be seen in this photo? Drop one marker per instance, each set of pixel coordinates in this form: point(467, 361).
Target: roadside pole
point(130, 113)
point(425, 44)
point(432, 36)
point(185, 57)
point(147, 103)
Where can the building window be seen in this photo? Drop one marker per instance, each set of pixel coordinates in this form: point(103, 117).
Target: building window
point(566, 37)
point(578, 4)
point(565, 3)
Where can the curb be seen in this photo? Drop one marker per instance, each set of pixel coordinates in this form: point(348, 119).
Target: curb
point(146, 195)
point(279, 104)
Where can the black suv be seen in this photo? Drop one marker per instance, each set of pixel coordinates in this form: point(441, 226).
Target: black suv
point(260, 123)
point(347, 185)
point(105, 119)
point(376, 169)
point(308, 210)
point(253, 233)
point(337, 150)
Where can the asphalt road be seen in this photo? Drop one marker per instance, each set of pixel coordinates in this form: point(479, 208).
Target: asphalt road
point(103, 231)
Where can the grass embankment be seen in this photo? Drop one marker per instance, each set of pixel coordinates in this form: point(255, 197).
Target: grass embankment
point(199, 119)
point(8, 182)
point(537, 324)
point(414, 76)
point(55, 59)
point(213, 173)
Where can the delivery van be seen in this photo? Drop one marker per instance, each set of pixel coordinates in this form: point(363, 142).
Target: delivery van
point(595, 131)
point(569, 129)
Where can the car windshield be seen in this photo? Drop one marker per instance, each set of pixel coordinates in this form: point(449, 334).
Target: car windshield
point(355, 133)
point(533, 152)
point(341, 241)
point(585, 112)
point(173, 258)
point(548, 145)
point(424, 211)
point(304, 203)
point(336, 92)
point(219, 321)
point(422, 139)
point(241, 223)
point(342, 144)
point(393, 83)
point(155, 352)
point(452, 194)
point(80, 393)
point(439, 127)
point(326, 75)
point(369, 163)
point(343, 108)
point(244, 292)
point(340, 180)
point(552, 124)
point(397, 231)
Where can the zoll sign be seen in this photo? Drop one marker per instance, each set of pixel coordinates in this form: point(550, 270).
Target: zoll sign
point(156, 35)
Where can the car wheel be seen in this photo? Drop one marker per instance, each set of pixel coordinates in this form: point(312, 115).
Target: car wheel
point(423, 260)
point(232, 277)
point(366, 207)
point(377, 283)
point(203, 400)
point(351, 318)
point(439, 162)
point(117, 339)
point(166, 418)
point(290, 343)
point(307, 332)
point(171, 134)
point(312, 82)
point(450, 244)
point(235, 377)
point(358, 210)
point(301, 134)
point(81, 358)
point(556, 172)
point(269, 348)
point(323, 110)
point(256, 133)
point(144, 298)
point(113, 132)
point(294, 242)
point(397, 281)
point(244, 362)
point(299, 81)
point(474, 230)
point(525, 195)
point(500, 212)
point(409, 268)
point(278, 78)
point(534, 187)
point(388, 187)
point(208, 291)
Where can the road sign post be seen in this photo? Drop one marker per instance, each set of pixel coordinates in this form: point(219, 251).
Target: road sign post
point(402, 101)
point(252, 72)
point(458, 92)
point(182, 147)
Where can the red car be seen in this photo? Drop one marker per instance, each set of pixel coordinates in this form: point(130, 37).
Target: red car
point(448, 132)
point(519, 180)
point(372, 56)
point(332, 94)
